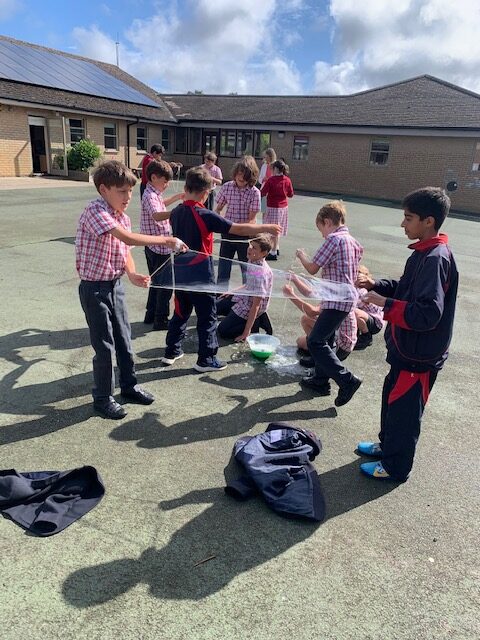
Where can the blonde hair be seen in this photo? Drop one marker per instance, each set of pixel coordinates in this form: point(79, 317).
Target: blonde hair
point(271, 155)
point(334, 211)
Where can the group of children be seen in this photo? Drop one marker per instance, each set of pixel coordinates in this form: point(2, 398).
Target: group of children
point(419, 308)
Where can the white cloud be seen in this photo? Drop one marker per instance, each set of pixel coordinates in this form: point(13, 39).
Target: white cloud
point(8, 8)
point(381, 42)
point(216, 47)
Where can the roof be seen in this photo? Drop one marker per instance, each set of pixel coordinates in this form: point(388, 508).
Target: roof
point(424, 102)
point(62, 99)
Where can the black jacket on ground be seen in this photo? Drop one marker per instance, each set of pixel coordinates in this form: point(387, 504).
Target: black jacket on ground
point(277, 464)
point(46, 502)
point(420, 307)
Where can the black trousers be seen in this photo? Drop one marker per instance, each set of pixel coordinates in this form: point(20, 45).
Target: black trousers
point(404, 397)
point(320, 343)
point(228, 250)
point(204, 305)
point(158, 301)
point(232, 325)
point(103, 303)
point(142, 189)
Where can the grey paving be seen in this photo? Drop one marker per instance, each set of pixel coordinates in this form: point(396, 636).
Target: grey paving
point(389, 562)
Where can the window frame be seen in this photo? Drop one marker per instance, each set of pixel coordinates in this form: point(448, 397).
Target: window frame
point(144, 138)
point(166, 139)
point(225, 134)
point(184, 131)
point(111, 125)
point(195, 150)
point(475, 168)
point(258, 149)
point(379, 152)
point(73, 128)
point(301, 147)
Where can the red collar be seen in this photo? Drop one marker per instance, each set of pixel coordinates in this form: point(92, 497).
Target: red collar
point(194, 203)
point(423, 245)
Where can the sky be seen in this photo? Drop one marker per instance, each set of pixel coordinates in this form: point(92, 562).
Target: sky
point(269, 47)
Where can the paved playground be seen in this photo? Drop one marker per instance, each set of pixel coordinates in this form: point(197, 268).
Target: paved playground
point(390, 561)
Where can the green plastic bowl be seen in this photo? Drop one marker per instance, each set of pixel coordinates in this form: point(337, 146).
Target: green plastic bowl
point(262, 346)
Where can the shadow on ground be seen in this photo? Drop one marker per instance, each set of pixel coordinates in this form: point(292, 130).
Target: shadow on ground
point(233, 538)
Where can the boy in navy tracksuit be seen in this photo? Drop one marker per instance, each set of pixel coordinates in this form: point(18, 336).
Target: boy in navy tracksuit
point(419, 308)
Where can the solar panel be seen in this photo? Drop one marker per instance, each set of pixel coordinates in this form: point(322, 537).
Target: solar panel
point(34, 66)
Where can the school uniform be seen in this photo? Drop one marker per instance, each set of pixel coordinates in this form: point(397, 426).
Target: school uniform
point(338, 257)
point(277, 190)
point(240, 203)
point(158, 301)
point(144, 180)
point(236, 308)
point(420, 310)
point(100, 262)
point(215, 172)
point(195, 225)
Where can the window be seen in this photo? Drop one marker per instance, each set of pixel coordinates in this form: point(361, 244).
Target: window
point(379, 152)
point(195, 141)
point(181, 140)
point(476, 158)
point(166, 139)
point(300, 148)
point(262, 142)
point(77, 130)
point(141, 138)
point(244, 143)
point(228, 142)
point(110, 135)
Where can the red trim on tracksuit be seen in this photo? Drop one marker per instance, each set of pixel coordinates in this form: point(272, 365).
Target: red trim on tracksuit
point(396, 313)
point(206, 236)
point(406, 380)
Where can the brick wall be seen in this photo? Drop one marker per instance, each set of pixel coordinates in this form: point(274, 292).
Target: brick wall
point(15, 149)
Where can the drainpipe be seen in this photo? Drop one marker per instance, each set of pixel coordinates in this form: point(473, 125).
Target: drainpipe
point(127, 154)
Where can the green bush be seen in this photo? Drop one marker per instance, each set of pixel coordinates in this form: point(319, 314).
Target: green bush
point(83, 155)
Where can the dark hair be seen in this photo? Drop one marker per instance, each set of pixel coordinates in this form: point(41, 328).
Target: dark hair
point(248, 167)
point(198, 179)
point(210, 156)
point(157, 148)
point(264, 242)
point(428, 201)
point(281, 166)
point(334, 211)
point(113, 174)
point(159, 168)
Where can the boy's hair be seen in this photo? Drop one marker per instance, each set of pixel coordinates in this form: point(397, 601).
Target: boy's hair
point(428, 201)
point(264, 242)
point(113, 174)
point(210, 156)
point(248, 167)
point(157, 148)
point(281, 166)
point(159, 168)
point(334, 211)
point(198, 179)
point(270, 153)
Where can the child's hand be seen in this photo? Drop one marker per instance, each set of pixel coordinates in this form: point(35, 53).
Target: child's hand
point(288, 291)
point(243, 337)
point(176, 244)
point(139, 280)
point(274, 229)
point(374, 298)
point(300, 254)
point(364, 282)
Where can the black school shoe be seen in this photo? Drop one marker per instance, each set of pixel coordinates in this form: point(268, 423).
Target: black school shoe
point(109, 408)
point(342, 354)
point(318, 386)
point(308, 362)
point(160, 324)
point(271, 256)
point(364, 340)
point(137, 395)
point(346, 393)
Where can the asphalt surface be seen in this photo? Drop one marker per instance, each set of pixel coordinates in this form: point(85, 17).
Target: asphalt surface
point(390, 561)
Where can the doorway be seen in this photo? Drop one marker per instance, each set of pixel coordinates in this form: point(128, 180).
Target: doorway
point(39, 153)
point(211, 139)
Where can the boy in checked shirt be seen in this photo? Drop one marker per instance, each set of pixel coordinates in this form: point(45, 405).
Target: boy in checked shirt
point(242, 199)
point(102, 248)
point(339, 257)
point(246, 314)
point(154, 221)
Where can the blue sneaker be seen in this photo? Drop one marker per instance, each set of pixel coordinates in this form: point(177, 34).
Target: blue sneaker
point(212, 364)
point(375, 470)
point(370, 449)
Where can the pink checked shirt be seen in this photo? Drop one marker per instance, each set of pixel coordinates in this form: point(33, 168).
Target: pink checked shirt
point(214, 171)
point(259, 281)
point(241, 202)
point(339, 256)
point(152, 202)
point(99, 255)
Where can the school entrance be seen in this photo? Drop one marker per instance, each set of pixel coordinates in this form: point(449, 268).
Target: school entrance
point(48, 143)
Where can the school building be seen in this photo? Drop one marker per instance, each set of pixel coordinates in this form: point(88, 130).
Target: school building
point(379, 143)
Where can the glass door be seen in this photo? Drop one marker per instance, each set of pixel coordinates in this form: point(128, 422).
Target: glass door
point(57, 148)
